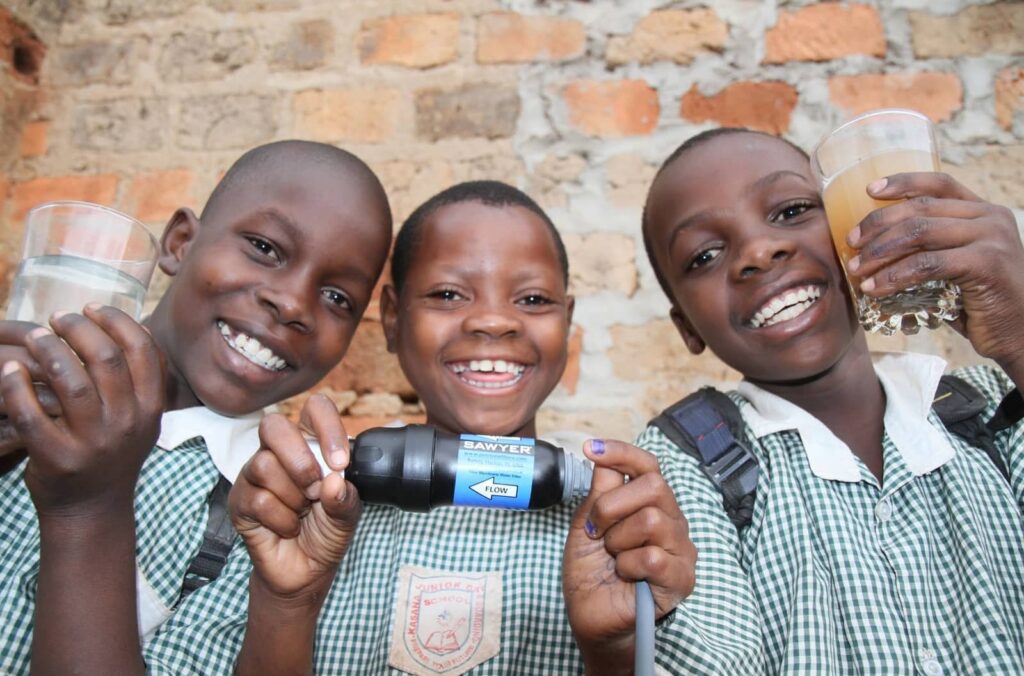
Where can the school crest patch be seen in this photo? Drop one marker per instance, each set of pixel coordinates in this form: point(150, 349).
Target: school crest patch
point(445, 622)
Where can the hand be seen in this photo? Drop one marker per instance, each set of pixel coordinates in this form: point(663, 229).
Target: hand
point(12, 348)
point(943, 231)
point(622, 533)
point(108, 377)
point(296, 523)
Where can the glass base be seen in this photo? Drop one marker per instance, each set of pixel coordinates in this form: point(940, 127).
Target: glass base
point(927, 305)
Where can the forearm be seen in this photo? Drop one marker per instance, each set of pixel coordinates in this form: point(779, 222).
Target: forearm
point(280, 633)
point(86, 619)
point(1014, 369)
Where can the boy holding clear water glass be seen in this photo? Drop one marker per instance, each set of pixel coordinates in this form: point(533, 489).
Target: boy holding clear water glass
point(102, 519)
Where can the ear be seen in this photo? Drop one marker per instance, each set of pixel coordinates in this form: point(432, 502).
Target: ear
point(389, 316)
point(181, 231)
point(694, 343)
point(570, 306)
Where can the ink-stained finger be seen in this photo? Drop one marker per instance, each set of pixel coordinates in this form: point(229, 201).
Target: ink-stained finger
point(264, 471)
point(647, 490)
point(67, 377)
point(320, 416)
point(620, 456)
point(282, 438)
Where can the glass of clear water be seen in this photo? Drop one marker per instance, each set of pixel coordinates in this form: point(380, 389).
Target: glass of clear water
point(76, 253)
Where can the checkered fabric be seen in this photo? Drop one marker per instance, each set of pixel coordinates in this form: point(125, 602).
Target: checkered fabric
point(170, 517)
point(921, 574)
point(355, 627)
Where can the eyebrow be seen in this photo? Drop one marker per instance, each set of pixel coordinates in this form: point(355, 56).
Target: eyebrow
point(759, 184)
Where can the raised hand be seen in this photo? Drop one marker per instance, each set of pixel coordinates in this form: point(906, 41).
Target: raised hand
point(625, 531)
point(106, 374)
point(296, 522)
point(943, 231)
point(12, 348)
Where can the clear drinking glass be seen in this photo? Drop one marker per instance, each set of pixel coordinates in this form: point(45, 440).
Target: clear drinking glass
point(871, 146)
point(76, 253)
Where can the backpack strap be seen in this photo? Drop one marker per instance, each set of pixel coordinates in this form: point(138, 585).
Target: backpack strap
point(707, 426)
point(217, 541)
point(959, 406)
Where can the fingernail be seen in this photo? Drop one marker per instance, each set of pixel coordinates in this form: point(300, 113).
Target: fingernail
point(853, 263)
point(868, 284)
point(313, 490)
point(37, 333)
point(339, 457)
point(342, 490)
point(9, 368)
point(853, 236)
point(56, 316)
point(597, 446)
point(93, 306)
point(590, 528)
point(878, 185)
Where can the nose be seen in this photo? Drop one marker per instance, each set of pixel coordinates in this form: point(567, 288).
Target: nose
point(762, 253)
point(493, 320)
point(290, 302)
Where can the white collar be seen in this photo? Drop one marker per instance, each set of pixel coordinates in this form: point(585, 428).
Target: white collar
point(909, 381)
point(229, 441)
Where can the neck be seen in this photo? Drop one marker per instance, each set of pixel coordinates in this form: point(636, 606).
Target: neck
point(528, 429)
point(848, 399)
point(177, 392)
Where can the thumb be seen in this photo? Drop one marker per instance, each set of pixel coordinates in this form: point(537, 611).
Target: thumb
point(340, 501)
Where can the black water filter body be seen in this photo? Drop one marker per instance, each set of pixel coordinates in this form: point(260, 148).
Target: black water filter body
point(418, 467)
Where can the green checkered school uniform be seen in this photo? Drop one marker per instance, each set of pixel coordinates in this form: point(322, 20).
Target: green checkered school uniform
point(170, 517)
point(923, 574)
point(355, 632)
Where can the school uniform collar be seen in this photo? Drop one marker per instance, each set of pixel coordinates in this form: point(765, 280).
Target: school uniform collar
point(229, 441)
point(909, 381)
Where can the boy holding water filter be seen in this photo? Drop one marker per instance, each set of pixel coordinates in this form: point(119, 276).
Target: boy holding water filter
point(879, 541)
point(101, 522)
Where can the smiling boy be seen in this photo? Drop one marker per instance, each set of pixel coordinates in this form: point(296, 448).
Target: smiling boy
point(267, 289)
point(879, 541)
point(479, 315)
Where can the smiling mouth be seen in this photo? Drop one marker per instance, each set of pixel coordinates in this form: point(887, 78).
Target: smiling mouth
point(252, 349)
point(488, 374)
point(787, 305)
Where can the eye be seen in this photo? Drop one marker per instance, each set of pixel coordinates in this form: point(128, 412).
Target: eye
point(704, 257)
point(264, 247)
point(336, 297)
point(535, 299)
point(791, 210)
point(447, 295)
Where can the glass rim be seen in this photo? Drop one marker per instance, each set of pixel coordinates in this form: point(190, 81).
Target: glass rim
point(53, 204)
point(877, 112)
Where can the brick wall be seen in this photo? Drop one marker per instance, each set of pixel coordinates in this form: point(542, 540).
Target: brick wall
point(142, 104)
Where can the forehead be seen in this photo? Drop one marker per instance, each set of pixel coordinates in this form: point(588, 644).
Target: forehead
point(720, 171)
point(479, 237)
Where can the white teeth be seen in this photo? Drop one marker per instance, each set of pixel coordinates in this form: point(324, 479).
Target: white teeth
point(252, 349)
point(786, 305)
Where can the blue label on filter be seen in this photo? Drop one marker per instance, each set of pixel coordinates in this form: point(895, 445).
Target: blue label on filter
point(494, 472)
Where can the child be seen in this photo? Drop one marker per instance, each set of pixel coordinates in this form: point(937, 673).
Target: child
point(879, 541)
point(479, 316)
point(268, 287)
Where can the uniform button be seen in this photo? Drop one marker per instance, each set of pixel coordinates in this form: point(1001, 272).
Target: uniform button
point(883, 510)
point(932, 667)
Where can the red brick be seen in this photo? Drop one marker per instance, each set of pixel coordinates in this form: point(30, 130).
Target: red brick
point(33, 139)
point(765, 106)
point(612, 108)
point(20, 49)
point(823, 32)
point(99, 188)
point(571, 375)
point(1009, 95)
point(153, 197)
point(361, 115)
point(506, 37)
point(678, 35)
point(5, 185)
point(937, 95)
point(974, 31)
point(412, 40)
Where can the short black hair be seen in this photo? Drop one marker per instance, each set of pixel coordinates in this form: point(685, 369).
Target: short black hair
point(489, 193)
point(256, 162)
point(688, 145)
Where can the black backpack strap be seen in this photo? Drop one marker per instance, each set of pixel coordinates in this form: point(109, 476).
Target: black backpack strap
point(1009, 412)
point(707, 426)
point(217, 541)
point(959, 406)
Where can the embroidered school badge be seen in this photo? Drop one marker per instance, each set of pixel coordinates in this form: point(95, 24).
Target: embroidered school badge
point(445, 622)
